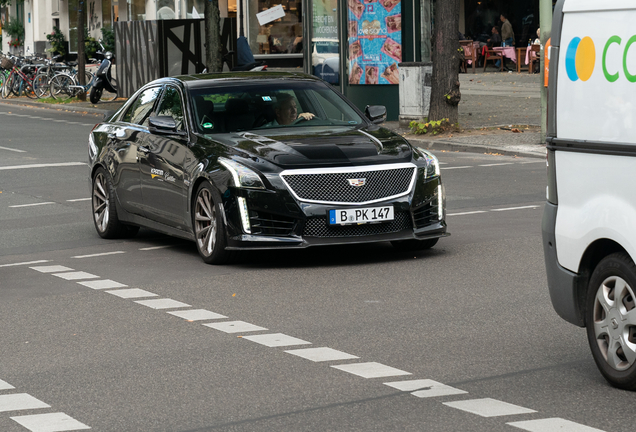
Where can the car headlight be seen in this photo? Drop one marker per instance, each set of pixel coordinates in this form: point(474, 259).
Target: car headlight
point(432, 164)
point(242, 175)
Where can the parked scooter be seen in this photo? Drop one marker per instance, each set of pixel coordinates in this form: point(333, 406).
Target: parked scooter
point(103, 78)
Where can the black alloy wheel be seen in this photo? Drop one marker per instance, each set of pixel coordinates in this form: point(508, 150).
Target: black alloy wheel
point(104, 210)
point(208, 226)
point(611, 319)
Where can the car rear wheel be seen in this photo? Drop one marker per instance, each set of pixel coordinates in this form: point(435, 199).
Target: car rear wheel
point(611, 319)
point(104, 211)
point(208, 226)
point(414, 245)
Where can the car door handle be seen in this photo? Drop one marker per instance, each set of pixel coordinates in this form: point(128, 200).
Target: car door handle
point(143, 149)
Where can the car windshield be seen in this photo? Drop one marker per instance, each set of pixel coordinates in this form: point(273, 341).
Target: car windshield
point(242, 107)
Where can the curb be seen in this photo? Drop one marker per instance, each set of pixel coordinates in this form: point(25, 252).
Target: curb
point(60, 107)
point(477, 148)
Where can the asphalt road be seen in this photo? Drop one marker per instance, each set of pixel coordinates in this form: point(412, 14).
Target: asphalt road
point(466, 329)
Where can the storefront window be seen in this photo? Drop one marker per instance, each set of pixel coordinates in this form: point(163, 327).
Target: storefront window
point(165, 10)
point(194, 8)
point(325, 60)
point(282, 36)
point(136, 10)
point(107, 17)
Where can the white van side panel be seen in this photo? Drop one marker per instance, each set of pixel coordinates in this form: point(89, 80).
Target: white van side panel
point(597, 200)
point(597, 5)
point(593, 108)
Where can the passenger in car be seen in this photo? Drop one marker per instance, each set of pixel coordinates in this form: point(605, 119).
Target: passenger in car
point(287, 112)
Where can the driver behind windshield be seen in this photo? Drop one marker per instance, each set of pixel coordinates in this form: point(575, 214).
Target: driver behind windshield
point(286, 111)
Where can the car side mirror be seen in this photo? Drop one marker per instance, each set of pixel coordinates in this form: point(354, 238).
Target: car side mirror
point(376, 113)
point(163, 125)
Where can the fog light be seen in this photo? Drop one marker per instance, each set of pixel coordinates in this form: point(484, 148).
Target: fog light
point(440, 203)
point(245, 220)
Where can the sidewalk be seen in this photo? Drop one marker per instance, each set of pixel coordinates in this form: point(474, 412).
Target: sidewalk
point(490, 101)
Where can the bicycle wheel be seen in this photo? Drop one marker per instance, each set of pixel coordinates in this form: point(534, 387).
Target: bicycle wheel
point(16, 85)
point(41, 84)
point(60, 87)
point(7, 87)
point(28, 90)
point(108, 96)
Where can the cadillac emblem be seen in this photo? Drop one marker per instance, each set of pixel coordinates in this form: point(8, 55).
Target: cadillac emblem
point(357, 182)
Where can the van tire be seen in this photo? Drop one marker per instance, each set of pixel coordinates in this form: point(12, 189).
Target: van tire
point(610, 297)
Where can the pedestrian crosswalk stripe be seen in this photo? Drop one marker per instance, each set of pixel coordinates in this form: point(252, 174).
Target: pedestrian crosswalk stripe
point(131, 293)
point(553, 425)
point(234, 327)
point(5, 385)
point(51, 422)
point(321, 354)
point(424, 388)
point(488, 407)
point(371, 370)
point(102, 284)
point(76, 275)
point(276, 340)
point(162, 303)
point(20, 401)
point(197, 314)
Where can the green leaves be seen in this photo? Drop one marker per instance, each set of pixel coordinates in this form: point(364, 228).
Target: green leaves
point(433, 127)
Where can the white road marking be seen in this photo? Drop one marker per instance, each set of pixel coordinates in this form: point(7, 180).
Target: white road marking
point(276, 340)
point(459, 167)
point(488, 407)
point(20, 401)
point(424, 388)
point(11, 149)
point(321, 354)
point(5, 385)
point(51, 269)
point(515, 208)
point(552, 425)
point(79, 199)
point(234, 327)
point(371, 370)
point(103, 284)
point(531, 162)
point(155, 247)
point(197, 315)
point(51, 422)
point(131, 293)
point(497, 164)
point(61, 164)
point(24, 263)
point(466, 213)
point(75, 275)
point(31, 205)
point(162, 303)
point(99, 254)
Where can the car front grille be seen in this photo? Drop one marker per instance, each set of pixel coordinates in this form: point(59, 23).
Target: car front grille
point(334, 186)
point(426, 214)
point(270, 224)
point(318, 227)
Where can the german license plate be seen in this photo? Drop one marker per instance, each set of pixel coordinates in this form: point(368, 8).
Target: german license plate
point(361, 215)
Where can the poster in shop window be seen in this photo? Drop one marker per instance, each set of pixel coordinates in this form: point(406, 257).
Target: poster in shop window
point(375, 41)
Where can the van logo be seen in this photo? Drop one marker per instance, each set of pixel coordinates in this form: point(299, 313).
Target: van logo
point(357, 182)
point(580, 59)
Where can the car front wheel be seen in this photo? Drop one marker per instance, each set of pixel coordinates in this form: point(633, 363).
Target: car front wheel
point(104, 211)
point(208, 226)
point(611, 319)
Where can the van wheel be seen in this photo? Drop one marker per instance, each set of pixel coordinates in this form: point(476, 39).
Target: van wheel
point(611, 319)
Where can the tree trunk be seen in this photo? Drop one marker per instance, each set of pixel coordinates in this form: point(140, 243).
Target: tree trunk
point(445, 95)
point(213, 48)
point(81, 58)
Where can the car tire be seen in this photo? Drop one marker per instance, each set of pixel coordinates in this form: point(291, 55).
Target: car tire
point(414, 245)
point(208, 227)
point(105, 217)
point(611, 319)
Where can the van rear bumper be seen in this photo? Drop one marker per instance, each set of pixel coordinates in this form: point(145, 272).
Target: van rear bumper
point(563, 284)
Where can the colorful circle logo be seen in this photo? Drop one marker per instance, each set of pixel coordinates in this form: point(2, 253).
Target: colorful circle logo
point(580, 58)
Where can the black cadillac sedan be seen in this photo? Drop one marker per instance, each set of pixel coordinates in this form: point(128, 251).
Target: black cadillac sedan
point(260, 161)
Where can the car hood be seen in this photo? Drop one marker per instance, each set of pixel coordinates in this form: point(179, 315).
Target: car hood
point(320, 146)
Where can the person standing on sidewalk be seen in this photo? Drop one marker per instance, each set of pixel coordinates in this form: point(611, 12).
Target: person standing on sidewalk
point(507, 34)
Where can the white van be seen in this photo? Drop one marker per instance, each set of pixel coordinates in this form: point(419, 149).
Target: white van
point(589, 223)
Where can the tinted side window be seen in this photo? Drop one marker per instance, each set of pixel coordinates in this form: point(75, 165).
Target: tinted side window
point(171, 106)
point(141, 107)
